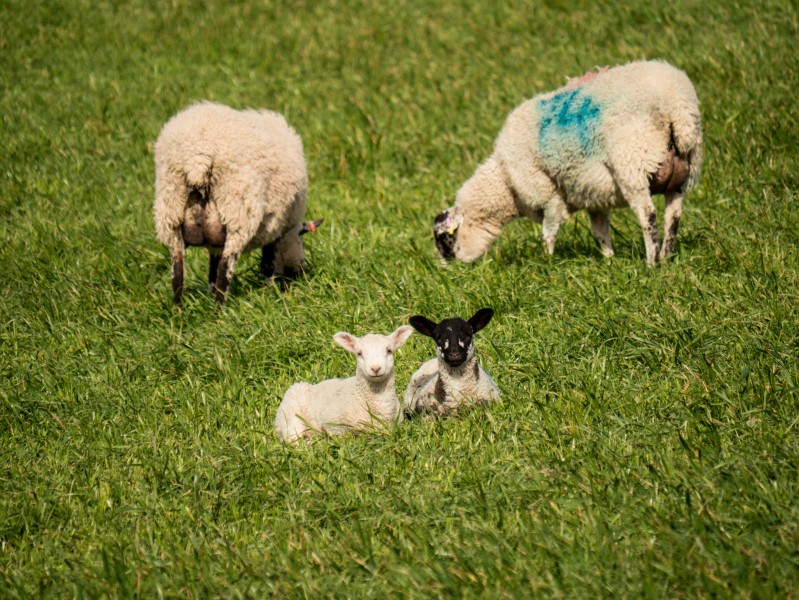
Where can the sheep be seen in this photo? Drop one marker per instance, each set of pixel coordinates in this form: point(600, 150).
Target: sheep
point(609, 139)
point(454, 379)
point(232, 181)
point(336, 406)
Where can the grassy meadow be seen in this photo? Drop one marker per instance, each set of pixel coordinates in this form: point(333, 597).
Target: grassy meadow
point(647, 444)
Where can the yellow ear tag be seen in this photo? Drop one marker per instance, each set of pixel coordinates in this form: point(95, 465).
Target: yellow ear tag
point(453, 223)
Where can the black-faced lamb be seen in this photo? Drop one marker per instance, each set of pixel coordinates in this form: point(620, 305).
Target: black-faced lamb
point(609, 139)
point(454, 379)
point(232, 181)
point(335, 406)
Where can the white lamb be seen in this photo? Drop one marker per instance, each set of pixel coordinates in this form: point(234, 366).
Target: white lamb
point(609, 139)
point(455, 379)
point(232, 181)
point(336, 406)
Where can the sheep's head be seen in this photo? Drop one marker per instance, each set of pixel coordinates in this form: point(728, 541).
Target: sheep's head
point(289, 257)
point(374, 353)
point(445, 232)
point(459, 237)
point(484, 204)
point(453, 337)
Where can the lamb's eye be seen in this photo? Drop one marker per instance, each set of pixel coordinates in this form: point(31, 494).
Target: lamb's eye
point(360, 353)
point(446, 344)
point(389, 350)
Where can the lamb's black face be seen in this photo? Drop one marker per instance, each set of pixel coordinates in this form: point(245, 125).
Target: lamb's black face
point(445, 233)
point(453, 338)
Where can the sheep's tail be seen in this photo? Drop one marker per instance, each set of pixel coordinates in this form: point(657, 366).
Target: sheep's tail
point(686, 134)
point(197, 171)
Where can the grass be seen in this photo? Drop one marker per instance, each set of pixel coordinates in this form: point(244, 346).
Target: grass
point(648, 442)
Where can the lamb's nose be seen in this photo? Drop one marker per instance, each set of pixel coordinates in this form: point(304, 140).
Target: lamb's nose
point(456, 358)
point(376, 370)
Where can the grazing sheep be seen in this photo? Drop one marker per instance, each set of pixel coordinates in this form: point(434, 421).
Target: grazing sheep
point(445, 384)
point(232, 181)
point(609, 139)
point(336, 406)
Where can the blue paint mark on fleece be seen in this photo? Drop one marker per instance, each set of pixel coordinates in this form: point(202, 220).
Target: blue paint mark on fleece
point(567, 117)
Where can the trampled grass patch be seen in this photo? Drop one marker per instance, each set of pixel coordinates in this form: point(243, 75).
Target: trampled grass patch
point(647, 443)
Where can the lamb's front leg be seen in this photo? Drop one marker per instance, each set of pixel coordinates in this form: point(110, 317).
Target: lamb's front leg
point(644, 209)
point(600, 227)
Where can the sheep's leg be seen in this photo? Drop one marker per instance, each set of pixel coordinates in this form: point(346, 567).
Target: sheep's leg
point(268, 261)
point(177, 249)
point(224, 274)
point(177, 278)
point(644, 209)
point(234, 246)
point(554, 214)
point(214, 257)
point(671, 221)
point(600, 227)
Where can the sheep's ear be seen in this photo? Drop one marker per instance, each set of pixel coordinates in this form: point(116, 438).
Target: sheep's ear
point(400, 336)
point(481, 318)
point(346, 340)
point(310, 226)
point(423, 325)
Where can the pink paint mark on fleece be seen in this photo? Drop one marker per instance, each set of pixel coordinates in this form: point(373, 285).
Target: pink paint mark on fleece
point(578, 81)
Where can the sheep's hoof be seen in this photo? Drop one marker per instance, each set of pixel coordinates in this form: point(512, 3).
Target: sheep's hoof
point(290, 273)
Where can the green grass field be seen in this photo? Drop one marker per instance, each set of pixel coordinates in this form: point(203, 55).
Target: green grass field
point(648, 441)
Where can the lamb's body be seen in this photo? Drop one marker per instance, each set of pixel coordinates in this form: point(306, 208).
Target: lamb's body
point(233, 181)
point(336, 406)
point(607, 140)
point(439, 389)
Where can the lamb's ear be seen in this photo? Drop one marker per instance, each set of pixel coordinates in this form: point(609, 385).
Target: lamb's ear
point(400, 336)
point(481, 318)
point(423, 325)
point(345, 340)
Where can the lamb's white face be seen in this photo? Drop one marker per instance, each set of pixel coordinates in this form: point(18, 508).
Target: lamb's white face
point(375, 356)
point(374, 353)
